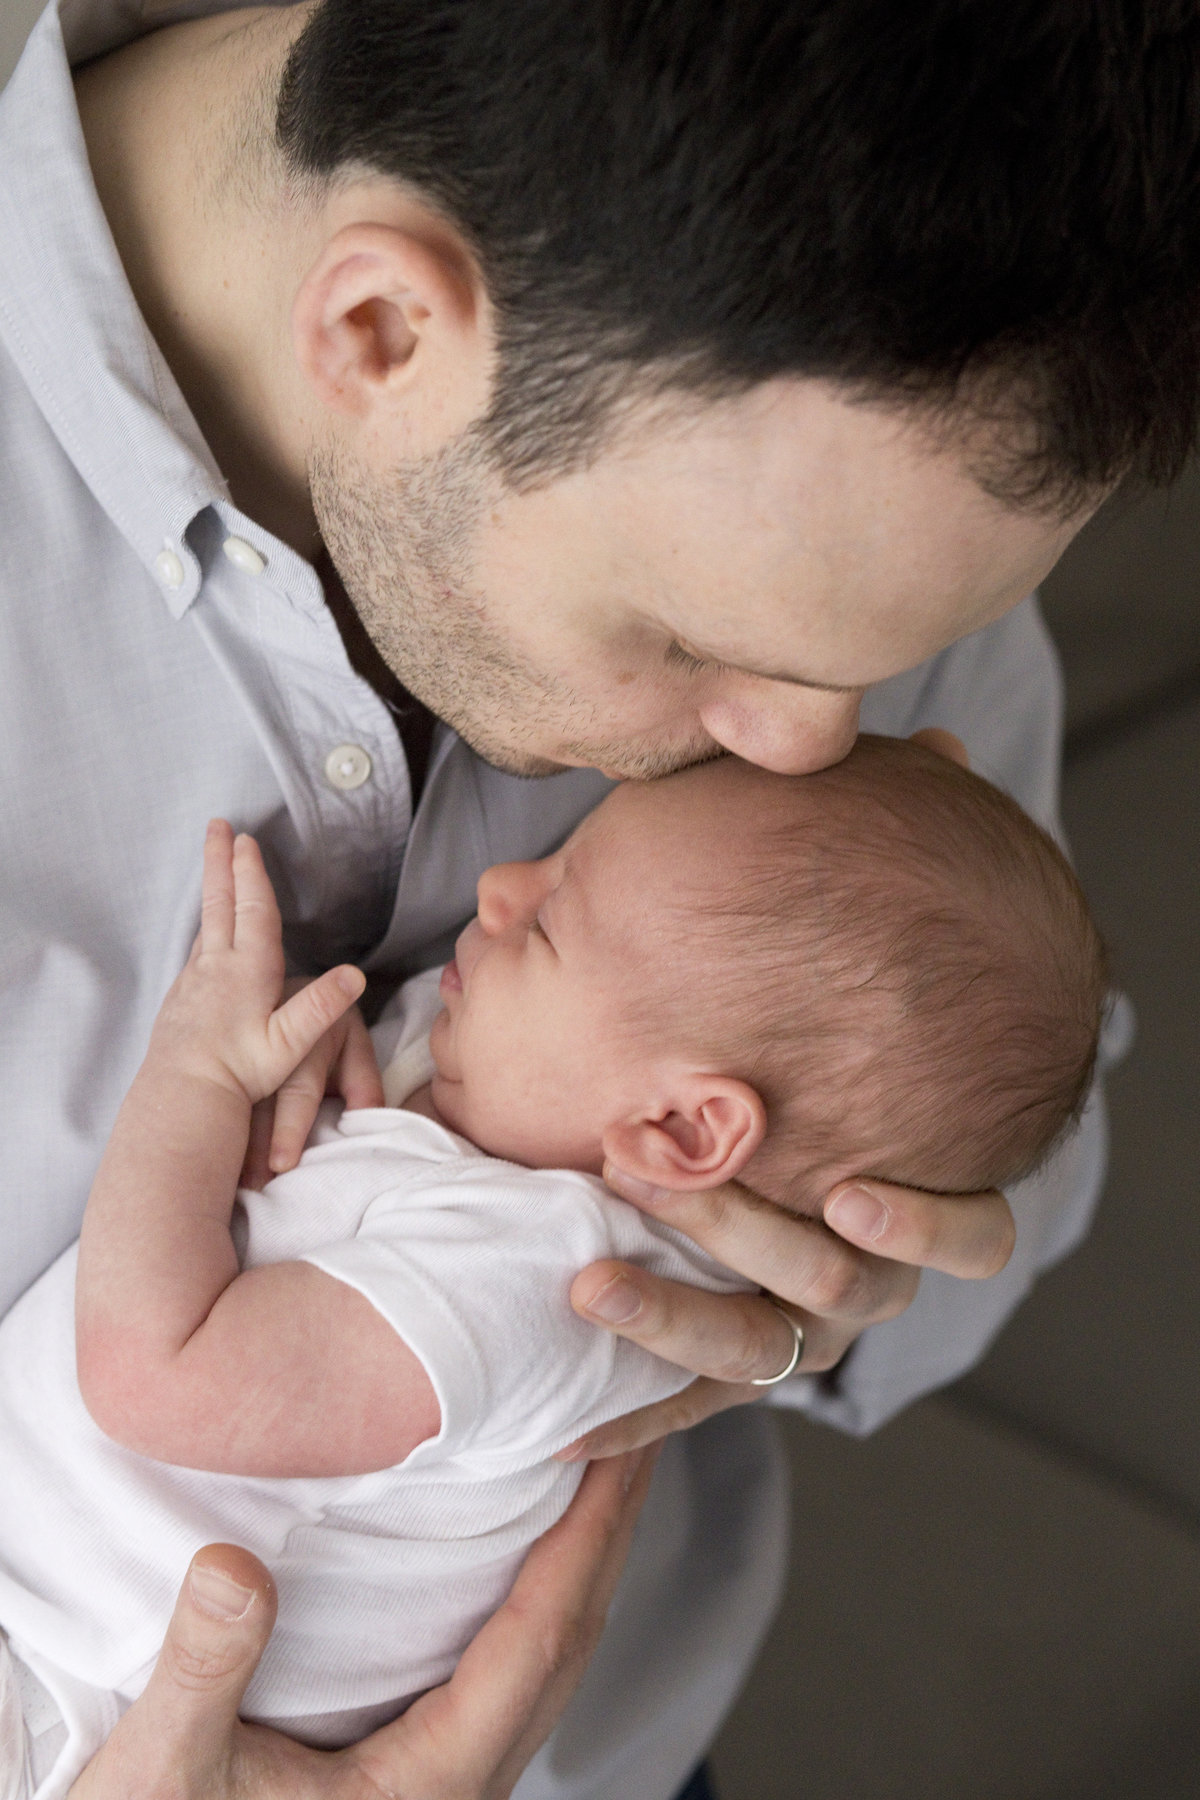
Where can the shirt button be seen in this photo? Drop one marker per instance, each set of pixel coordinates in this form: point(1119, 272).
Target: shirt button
point(169, 569)
point(347, 766)
point(244, 556)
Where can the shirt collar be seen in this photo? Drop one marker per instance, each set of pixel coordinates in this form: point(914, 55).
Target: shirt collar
point(67, 314)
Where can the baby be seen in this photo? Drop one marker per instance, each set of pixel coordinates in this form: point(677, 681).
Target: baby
point(363, 1373)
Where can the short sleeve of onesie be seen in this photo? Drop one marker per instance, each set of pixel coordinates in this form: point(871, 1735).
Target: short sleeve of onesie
point(471, 1261)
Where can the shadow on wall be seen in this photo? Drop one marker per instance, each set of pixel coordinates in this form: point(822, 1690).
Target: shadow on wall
point(1123, 607)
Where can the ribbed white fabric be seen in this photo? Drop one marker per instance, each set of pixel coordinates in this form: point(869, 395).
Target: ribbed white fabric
point(384, 1578)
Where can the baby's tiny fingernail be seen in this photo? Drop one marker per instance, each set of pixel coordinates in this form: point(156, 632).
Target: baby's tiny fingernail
point(573, 1453)
point(218, 1596)
point(632, 1187)
point(856, 1213)
point(616, 1303)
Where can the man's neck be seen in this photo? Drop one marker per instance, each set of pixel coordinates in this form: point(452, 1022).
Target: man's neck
point(178, 127)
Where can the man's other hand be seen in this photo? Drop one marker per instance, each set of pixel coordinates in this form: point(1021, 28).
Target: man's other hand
point(468, 1740)
point(858, 1266)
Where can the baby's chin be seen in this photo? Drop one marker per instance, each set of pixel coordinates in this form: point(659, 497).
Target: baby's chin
point(447, 1099)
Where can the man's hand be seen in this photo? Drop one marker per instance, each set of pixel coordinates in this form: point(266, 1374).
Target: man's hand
point(468, 1740)
point(859, 1266)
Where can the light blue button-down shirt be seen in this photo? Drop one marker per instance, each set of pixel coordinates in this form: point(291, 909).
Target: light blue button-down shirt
point(149, 681)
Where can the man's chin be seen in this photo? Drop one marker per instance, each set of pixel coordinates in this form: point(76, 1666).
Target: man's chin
point(521, 763)
point(618, 762)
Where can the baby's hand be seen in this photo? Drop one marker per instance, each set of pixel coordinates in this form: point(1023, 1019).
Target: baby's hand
point(342, 1063)
point(222, 1020)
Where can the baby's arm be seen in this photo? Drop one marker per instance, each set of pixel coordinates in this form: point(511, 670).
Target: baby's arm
point(283, 1370)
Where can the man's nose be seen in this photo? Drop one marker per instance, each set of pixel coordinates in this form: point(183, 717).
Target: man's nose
point(509, 893)
point(789, 729)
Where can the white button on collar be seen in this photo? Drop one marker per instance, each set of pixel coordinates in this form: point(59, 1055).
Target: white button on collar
point(169, 568)
point(347, 766)
point(244, 556)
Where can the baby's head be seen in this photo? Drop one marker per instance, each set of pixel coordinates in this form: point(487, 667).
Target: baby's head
point(883, 969)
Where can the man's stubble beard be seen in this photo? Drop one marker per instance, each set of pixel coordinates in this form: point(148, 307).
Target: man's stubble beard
point(403, 548)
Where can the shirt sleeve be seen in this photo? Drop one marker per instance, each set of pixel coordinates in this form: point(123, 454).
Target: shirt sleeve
point(472, 1265)
point(999, 690)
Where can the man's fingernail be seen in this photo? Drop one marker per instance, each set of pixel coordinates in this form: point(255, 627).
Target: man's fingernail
point(218, 1596)
point(632, 1187)
point(616, 1303)
point(858, 1214)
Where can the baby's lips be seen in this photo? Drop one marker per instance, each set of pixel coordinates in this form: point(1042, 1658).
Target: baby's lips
point(451, 981)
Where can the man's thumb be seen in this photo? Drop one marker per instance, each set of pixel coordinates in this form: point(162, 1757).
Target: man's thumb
point(183, 1723)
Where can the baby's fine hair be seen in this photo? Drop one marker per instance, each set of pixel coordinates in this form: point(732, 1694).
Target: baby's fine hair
point(916, 982)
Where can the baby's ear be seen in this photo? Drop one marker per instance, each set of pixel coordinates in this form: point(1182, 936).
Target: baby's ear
point(707, 1137)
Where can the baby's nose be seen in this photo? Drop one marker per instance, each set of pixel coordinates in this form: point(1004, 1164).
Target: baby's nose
point(506, 894)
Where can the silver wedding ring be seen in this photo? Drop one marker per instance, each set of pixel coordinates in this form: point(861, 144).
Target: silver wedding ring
point(793, 1359)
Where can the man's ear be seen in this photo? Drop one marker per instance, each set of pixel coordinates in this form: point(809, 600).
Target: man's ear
point(706, 1137)
point(385, 311)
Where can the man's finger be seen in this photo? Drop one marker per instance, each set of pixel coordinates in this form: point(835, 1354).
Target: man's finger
point(798, 1258)
point(185, 1719)
point(650, 1423)
point(944, 743)
point(727, 1337)
point(969, 1235)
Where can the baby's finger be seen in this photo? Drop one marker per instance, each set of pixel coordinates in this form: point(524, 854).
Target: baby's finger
point(797, 1258)
point(355, 1074)
point(256, 1164)
point(296, 1105)
point(256, 924)
point(217, 890)
point(296, 1027)
point(969, 1235)
point(650, 1423)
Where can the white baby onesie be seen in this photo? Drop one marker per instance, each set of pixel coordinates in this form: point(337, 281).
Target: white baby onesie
point(384, 1578)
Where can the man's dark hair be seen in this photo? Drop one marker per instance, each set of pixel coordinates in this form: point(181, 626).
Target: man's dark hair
point(981, 209)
